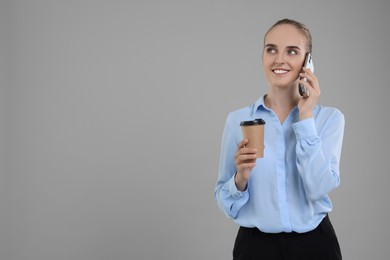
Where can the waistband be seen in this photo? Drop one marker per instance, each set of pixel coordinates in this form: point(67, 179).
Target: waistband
point(256, 231)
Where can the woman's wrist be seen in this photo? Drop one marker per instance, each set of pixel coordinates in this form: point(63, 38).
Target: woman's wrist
point(304, 115)
point(240, 183)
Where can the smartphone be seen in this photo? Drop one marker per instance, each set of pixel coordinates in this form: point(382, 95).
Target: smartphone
point(308, 63)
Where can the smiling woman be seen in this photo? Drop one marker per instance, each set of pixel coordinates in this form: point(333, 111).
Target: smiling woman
point(284, 51)
point(281, 201)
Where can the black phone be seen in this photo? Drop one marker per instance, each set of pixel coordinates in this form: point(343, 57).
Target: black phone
point(308, 63)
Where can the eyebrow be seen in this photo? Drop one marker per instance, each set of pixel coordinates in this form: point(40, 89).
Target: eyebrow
point(269, 45)
point(293, 47)
point(288, 47)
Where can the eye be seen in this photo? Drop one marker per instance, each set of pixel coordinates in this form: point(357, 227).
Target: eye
point(270, 50)
point(292, 52)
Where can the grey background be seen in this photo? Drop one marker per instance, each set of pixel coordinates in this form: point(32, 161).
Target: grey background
point(112, 114)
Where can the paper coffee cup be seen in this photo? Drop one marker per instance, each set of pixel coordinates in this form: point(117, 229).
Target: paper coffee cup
point(253, 130)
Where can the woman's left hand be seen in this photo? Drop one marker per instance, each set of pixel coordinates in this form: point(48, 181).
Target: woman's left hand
point(306, 106)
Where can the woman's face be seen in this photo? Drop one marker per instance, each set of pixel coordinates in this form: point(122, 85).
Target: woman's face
point(283, 55)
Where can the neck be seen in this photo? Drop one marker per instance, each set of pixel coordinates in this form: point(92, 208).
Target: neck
point(282, 101)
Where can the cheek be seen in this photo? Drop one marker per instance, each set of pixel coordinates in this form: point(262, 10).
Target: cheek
point(298, 64)
point(266, 68)
point(267, 62)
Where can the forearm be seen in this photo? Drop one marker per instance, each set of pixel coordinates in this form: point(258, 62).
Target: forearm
point(240, 182)
point(228, 197)
point(316, 171)
point(230, 200)
point(317, 158)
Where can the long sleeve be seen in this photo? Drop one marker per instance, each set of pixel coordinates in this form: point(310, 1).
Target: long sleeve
point(318, 154)
point(229, 199)
point(288, 189)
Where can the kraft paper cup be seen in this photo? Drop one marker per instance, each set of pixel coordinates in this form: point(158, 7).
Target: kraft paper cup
point(253, 130)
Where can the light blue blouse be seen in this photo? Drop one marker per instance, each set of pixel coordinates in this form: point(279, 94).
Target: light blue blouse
point(288, 188)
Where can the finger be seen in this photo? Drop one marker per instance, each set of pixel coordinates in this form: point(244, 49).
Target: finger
point(241, 149)
point(247, 151)
point(307, 94)
point(245, 154)
point(309, 75)
point(307, 70)
point(310, 85)
point(247, 165)
point(247, 157)
point(304, 82)
point(242, 143)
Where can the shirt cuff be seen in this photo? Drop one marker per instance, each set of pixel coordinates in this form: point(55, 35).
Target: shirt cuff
point(305, 128)
point(235, 193)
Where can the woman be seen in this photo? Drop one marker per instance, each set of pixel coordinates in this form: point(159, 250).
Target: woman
point(281, 201)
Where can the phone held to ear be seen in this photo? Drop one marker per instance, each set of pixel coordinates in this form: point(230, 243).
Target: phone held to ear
point(303, 91)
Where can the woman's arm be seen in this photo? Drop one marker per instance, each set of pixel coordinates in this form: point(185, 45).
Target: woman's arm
point(229, 198)
point(318, 154)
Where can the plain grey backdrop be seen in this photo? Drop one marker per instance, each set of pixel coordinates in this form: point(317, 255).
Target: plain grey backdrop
point(112, 114)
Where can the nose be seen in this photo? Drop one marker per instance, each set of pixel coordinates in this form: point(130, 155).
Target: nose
point(279, 59)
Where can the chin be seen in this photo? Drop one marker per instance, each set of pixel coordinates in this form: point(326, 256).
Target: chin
point(286, 85)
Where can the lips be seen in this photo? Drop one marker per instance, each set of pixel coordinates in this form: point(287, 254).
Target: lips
point(280, 71)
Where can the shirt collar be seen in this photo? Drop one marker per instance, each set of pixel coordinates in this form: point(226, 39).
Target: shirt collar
point(259, 103)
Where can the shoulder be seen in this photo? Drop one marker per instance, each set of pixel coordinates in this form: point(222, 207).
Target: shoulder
point(329, 116)
point(328, 112)
point(246, 113)
point(238, 115)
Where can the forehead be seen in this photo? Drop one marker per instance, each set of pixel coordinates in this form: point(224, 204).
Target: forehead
point(285, 35)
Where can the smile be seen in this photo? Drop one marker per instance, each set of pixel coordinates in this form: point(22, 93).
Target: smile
point(279, 71)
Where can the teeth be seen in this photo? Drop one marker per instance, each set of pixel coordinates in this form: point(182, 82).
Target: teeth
point(280, 71)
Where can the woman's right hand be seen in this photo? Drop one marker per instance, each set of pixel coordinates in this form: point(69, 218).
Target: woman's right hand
point(245, 160)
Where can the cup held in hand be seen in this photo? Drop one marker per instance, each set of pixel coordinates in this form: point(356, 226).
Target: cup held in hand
point(253, 130)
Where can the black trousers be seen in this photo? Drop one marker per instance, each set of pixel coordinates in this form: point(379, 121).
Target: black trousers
point(320, 243)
